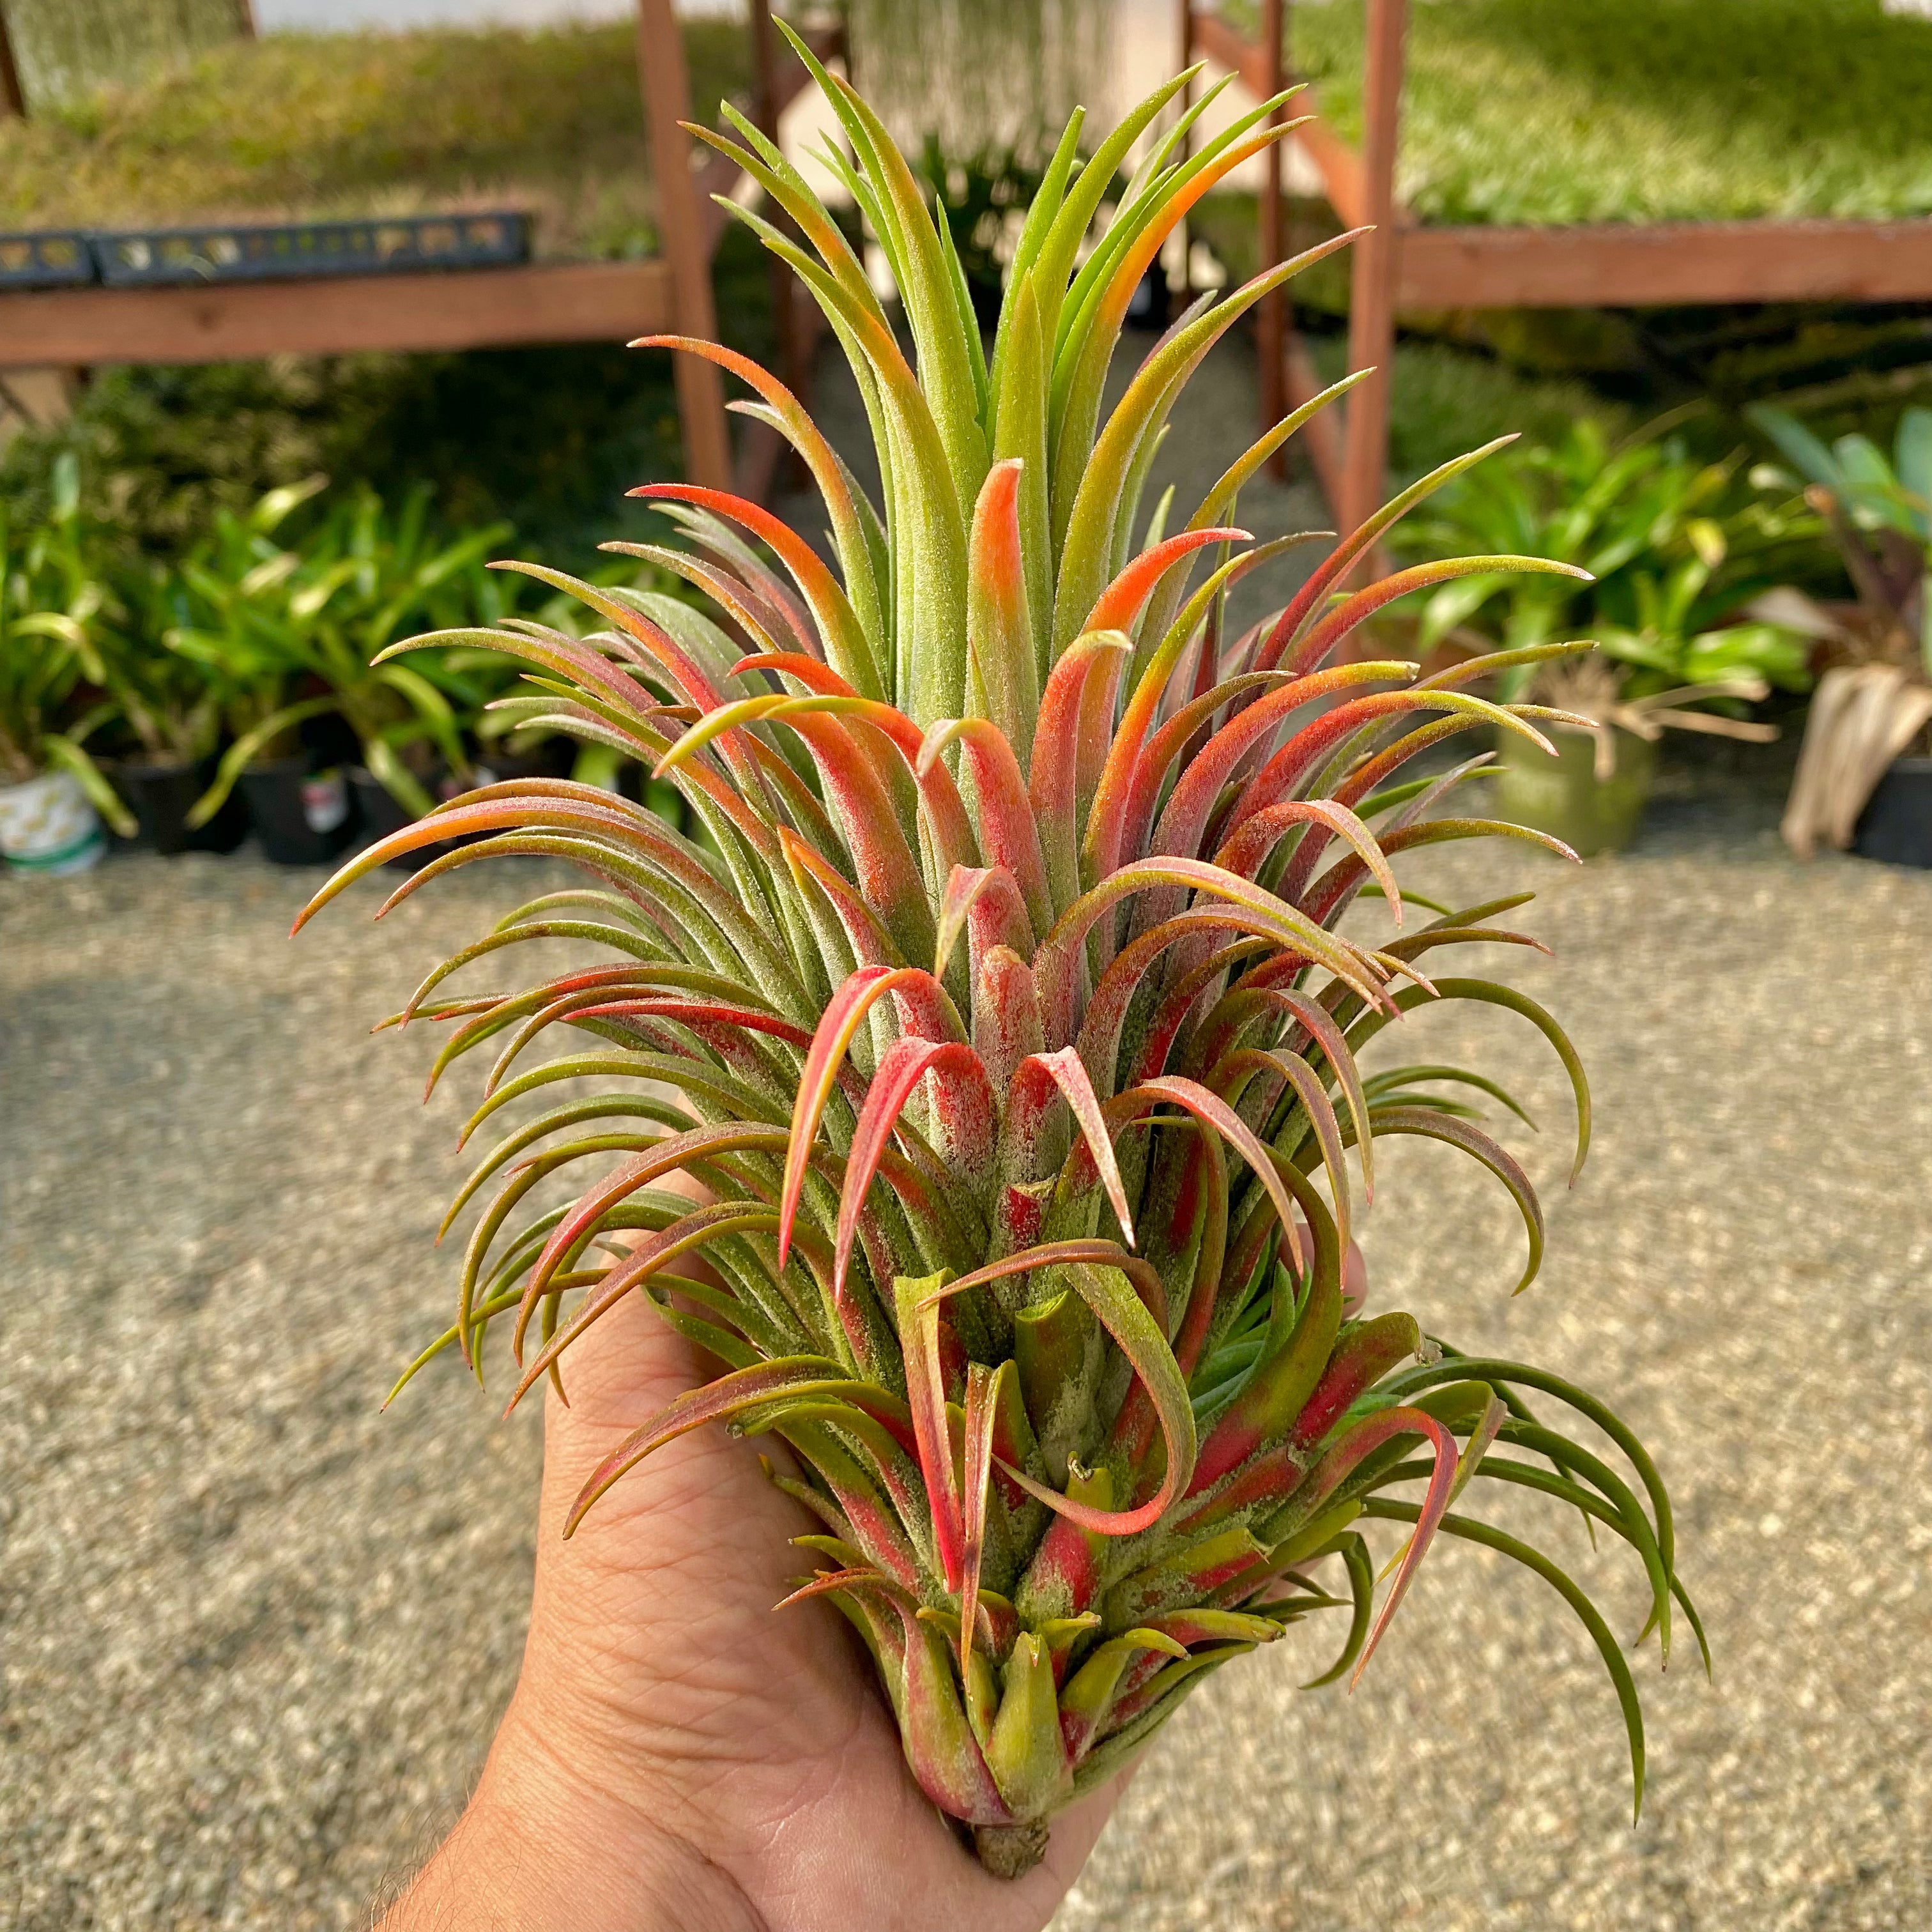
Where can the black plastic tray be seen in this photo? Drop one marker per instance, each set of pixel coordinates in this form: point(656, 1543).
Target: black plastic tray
point(50, 259)
point(243, 252)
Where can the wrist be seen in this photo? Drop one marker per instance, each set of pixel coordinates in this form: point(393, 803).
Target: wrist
point(546, 1845)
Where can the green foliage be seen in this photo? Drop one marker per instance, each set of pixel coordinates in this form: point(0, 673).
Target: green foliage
point(54, 607)
point(983, 198)
point(1675, 547)
point(162, 449)
point(287, 635)
point(1878, 511)
point(296, 124)
point(65, 48)
point(273, 618)
point(1645, 110)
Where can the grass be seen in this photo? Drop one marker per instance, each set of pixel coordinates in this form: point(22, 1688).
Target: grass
point(297, 125)
point(1645, 110)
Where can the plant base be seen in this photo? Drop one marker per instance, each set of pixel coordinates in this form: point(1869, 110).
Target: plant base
point(1011, 1851)
point(1563, 796)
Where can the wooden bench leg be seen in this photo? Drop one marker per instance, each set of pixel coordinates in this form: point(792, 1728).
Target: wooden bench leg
point(13, 98)
point(700, 389)
point(1273, 317)
point(1372, 297)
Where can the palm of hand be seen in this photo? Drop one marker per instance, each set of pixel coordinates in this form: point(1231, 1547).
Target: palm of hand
point(658, 1674)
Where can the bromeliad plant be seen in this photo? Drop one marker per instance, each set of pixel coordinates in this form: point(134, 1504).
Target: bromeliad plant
point(1013, 1029)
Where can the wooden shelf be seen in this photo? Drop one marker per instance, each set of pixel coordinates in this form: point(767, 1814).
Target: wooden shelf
point(1621, 265)
point(565, 301)
point(485, 308)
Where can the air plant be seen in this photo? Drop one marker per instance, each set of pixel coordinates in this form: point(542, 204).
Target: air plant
point(1004, 1010)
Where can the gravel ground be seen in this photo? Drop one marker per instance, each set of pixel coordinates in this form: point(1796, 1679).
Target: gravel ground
point(256, 1636)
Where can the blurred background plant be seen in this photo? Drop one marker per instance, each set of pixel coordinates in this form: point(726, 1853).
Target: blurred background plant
point(1678, 548)
point(290, 634)
point(54, 607)
point(256, 643)
point(1875, 698)
point(978, 77)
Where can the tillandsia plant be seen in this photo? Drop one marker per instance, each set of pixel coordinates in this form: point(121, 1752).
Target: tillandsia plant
point(1005, 1016)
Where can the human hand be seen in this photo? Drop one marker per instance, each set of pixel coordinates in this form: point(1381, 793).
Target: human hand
point(677, 1755)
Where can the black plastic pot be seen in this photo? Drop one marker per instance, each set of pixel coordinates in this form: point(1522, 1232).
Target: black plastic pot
point(379, 815)
point(160, 796)
point(548, 758)
point(1897, 823)
point(302, 817)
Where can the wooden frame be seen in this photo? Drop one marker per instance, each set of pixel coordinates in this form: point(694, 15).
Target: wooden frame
point(539, 302)
point(12, 101)
point(1405, 265)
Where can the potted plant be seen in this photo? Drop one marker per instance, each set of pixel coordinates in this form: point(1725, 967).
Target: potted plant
point(1864, 770)
point(1674, 555)
point(294, 631)
point(52, 794)
point(229, 621)
point(1006, 1025)
point(1662, 663)
point(166, 712)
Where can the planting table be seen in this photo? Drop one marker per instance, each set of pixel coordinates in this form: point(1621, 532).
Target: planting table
point(1407, 264)
point(492, 308)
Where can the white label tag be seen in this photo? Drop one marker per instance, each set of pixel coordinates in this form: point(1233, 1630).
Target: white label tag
point(324, 799)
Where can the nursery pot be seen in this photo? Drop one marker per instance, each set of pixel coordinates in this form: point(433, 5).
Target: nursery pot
point(302, 817)
point(1563, 796)
point(160, 797)
point(47, 825)
point(549, 758)
point(1897, 823)
point(380, 814)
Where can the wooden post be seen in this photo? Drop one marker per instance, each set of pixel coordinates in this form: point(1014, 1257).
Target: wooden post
point(12, 100)
point(1271, 317)
point(783, 285)
point(764, 68)
point(1184, 51)
point(700, 389)
point(1372, 288)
